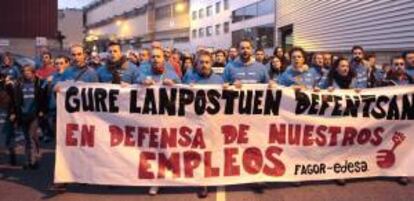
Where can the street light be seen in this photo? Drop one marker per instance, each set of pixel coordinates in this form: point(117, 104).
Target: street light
point(180, 7)
point(118, 22)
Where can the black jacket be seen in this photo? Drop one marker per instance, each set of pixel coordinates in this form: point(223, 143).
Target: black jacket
point(40, 98)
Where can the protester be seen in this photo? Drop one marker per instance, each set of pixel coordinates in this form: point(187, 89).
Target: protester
point(187, 65)
point(133, 57)
point(8, 67)
point(30, 103)
point(375, 73)
point(233, 54)
point(118, 70)
point(159, 72)
point(341, 76)
point(276, 68)
point(398, 75)
point(6, 109)
point(245, 70)
point(409, 61)
point(318, 66)
point(203, 72)
point(358, 65)
point(327, 61)
point(95, 61)
point(298, 74)
point(62, 63)
point(80, 71)
point(260, 56)
point(220, 58)
point(47, 68)
point(144, 56)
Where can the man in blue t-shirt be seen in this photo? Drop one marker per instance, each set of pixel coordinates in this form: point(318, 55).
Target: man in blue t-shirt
point(245, 70)
point(158, 71)
point(80, 71)
point(203, 73)
point(118, 70)
point(409, 63)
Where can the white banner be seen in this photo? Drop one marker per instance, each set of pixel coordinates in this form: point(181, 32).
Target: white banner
point(205, 135)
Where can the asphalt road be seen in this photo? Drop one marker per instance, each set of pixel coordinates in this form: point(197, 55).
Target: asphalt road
point(31, 185)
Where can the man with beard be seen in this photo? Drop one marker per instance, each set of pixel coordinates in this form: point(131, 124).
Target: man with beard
point(398, 75)
point(158, 71)
point(203, 73)
point(245, 70)
point(358, 66)
point(79, 71)
point(118, 70)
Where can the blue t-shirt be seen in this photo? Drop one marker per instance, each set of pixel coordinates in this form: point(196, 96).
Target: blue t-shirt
point(250, 73)
point(11, 71)
point(308, 78)
point(410, 71)
point(29, 104)
point(56, 77)
point(158, 78)
point(85, 74)
point(361, 74)
point(193, 77)
point(128, 74)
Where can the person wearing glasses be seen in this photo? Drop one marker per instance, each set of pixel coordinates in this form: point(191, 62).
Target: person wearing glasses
point(80, 71)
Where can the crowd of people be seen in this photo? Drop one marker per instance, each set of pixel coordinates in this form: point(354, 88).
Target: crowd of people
point(28, 93)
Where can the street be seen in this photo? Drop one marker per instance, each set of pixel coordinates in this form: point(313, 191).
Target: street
point(23, 185)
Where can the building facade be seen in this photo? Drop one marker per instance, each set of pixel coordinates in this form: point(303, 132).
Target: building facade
point(210, 24)
point(223, 23)
point(385, 27)
point(23, 21)
point(138, 22)
point(70, 24)
point(254, 20)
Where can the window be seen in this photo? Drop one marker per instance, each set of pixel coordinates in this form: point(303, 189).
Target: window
point(209, 31)
point(260, 8)
point(200, 32)
point(286, 34)
point(218, 5)
point(194, 33)
point(163, 12)
point(194, 15)
point(265, 7)
point(250, 11)
point(226, 27)
point(209, 11)
point(226, 4)
point(262, 36)
point(200, 13)
point(218, 27)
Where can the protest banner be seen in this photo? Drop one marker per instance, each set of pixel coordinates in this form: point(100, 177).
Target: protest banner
point(207, 135)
